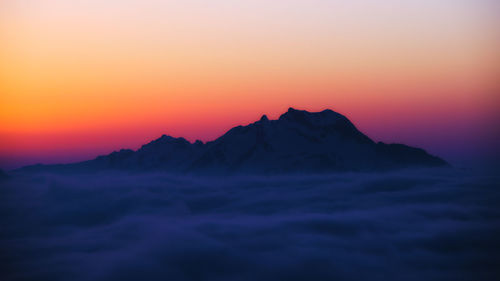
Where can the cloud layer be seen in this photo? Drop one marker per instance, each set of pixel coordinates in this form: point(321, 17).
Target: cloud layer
point(416, 225)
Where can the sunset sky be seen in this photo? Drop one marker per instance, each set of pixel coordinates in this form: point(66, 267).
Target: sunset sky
point(83, 78)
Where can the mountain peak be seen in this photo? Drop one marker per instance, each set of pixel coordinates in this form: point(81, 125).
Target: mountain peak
point(299, 141)
point(165, 140)
point(323, 118)
point(292, 114)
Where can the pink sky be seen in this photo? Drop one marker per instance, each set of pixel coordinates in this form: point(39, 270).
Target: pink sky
point(82, 79)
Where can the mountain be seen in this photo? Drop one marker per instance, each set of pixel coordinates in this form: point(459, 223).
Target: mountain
point(299, 141)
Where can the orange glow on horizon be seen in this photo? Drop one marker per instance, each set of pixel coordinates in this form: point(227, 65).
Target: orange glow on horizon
point(86, 79)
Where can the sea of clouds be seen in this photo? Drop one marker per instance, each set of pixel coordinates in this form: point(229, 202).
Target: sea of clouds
point(412, 225)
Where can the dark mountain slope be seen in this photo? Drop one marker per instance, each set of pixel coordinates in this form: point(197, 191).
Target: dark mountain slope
point(299, 141)
point(308, 142)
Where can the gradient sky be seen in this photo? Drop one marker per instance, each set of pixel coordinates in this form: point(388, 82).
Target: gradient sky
point(83, 78)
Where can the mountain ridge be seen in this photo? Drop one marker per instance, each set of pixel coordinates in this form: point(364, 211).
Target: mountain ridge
point(298, 141)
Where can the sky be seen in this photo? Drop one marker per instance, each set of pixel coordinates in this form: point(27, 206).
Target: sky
point(84, 78)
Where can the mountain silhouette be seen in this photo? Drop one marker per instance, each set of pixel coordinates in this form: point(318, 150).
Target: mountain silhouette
point(299, 141)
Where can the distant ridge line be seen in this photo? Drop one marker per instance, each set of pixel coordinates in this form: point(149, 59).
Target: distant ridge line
point(298, 141)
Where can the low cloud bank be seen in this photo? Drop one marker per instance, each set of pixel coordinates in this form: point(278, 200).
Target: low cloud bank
point(413, 225)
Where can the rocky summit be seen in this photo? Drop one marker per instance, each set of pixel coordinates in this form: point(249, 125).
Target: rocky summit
point(298, 141)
